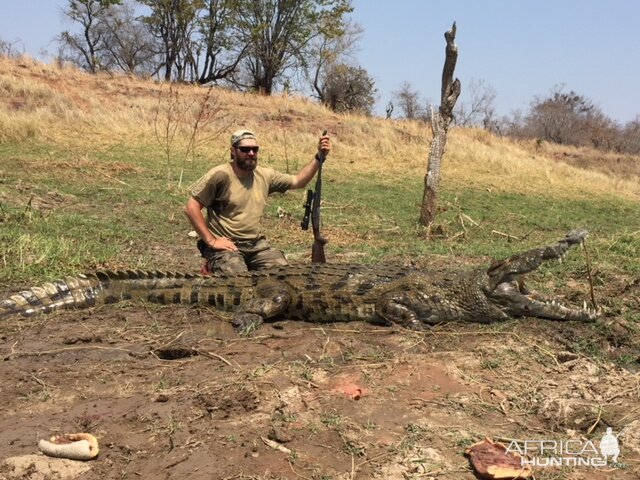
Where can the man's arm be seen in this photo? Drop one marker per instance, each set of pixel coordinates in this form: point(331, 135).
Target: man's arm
point(193, 211)
point(305, 175)
point(307, 172)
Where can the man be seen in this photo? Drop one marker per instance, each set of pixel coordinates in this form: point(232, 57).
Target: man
point(235, 196)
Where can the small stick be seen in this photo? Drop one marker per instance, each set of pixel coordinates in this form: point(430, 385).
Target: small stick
point(62, 350)
point(275, 445)
point(177, 462)
point(595, 424)
point(466, 217)
point(509, 237)
point(586, 256)
point(214, 355)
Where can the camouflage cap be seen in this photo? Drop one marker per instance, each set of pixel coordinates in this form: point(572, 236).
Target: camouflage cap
point(240, 135)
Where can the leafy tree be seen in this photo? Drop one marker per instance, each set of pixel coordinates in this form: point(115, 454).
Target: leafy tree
point(222, 52)
point(279, 33)
point(86, 48)
point(349, 88)
point(336, 80)
point(174, 24)
point(554, 118)
point(325, 52)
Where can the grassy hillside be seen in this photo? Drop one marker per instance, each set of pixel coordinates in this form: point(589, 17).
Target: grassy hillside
point(93, 175)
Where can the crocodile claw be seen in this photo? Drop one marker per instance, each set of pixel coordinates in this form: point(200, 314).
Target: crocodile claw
point(245, 323)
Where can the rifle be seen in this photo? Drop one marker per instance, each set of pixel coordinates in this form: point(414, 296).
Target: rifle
point(312, 210)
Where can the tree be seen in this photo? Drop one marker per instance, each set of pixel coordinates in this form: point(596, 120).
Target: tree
point(85, 48)
point(348, 88)
point(440, 122)
point(223, 52)
point(336, 80)
point(279, 32)
point(8, 49)
point(129, 46)
point(174, 24)
point(554, 118)
point(408, 101)
point(570, 119)
point(481, 107)
point(326, 52)
point(601, 132)
point(630, 137)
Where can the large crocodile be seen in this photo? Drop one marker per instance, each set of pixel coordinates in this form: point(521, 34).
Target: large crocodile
point(382, 294)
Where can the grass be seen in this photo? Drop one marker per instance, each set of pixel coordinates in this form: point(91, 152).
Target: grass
point(108, 199)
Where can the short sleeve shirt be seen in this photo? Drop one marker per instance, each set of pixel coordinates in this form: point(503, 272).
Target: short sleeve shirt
point(235, 206)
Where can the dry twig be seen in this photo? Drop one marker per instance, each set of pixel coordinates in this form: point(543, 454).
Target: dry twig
point(586, 256)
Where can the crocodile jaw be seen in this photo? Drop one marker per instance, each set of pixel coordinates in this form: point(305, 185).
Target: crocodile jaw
point(514, 303)
point(504, 290)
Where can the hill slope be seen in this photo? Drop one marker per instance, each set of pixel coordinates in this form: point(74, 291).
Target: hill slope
point(45, 104)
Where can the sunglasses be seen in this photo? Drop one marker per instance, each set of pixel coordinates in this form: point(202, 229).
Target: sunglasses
point(248, 149)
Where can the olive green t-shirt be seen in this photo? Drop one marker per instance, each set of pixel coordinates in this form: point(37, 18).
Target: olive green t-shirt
point(235, 206)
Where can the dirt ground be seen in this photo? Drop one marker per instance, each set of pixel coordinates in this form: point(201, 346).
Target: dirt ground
point(172, 392)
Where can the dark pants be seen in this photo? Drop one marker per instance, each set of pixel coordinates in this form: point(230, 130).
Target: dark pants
point(251, 255)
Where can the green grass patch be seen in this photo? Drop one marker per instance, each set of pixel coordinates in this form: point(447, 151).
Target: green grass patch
point(110, 205)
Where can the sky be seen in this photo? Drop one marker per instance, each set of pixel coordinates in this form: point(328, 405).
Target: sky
point(522, 49)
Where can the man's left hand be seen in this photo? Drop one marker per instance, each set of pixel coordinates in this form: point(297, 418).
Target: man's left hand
point(324, 146)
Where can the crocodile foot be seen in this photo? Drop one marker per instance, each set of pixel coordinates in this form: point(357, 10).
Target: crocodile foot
point(245, 323)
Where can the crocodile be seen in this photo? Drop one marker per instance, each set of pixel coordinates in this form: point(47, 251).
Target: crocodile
point(383, 294)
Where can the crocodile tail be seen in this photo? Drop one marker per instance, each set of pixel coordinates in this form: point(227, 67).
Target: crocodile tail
point(71, 292)
point(84, 291)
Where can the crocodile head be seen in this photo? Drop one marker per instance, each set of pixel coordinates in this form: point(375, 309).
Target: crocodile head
point(504, 288)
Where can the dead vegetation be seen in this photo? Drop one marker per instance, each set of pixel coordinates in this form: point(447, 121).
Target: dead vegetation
point(73, 109)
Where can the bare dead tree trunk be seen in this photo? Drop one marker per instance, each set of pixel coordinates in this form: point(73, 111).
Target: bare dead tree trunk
point(440, 122)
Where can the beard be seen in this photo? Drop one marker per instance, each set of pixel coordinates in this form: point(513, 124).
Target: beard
point(247, 164)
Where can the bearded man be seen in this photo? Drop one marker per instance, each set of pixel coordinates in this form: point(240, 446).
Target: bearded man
point(235, 196)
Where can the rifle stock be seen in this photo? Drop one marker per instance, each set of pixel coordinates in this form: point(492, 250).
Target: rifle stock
point(317, 250)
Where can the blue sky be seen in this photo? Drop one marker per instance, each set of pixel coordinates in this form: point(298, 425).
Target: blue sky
point(521, 48)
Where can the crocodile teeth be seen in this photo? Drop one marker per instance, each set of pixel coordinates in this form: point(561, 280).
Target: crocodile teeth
point(584, 305)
